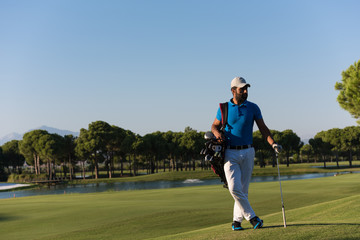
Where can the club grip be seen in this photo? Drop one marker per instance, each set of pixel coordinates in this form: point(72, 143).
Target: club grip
point(283, 213)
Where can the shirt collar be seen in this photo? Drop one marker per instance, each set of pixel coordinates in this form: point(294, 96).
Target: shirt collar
point(233, 104)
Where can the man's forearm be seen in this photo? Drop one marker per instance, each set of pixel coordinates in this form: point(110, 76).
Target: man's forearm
point(215, 131)
point(267, 135)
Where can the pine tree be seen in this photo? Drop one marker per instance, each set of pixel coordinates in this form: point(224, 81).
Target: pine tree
point(349, 95)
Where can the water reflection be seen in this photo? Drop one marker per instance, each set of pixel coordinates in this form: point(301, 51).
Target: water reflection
point(124, 186)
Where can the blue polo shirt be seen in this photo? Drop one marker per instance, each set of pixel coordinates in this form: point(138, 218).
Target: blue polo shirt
point(239, 130)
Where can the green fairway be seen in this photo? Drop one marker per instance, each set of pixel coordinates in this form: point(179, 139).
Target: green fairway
point(293, 169)
point(323, 208)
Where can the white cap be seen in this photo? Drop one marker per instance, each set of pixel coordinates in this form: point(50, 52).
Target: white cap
point(239, 82)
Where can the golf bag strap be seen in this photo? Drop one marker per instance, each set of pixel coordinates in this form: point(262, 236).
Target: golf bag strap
point(224, 115)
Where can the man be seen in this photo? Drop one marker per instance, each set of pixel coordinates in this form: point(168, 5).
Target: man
point(239, 153)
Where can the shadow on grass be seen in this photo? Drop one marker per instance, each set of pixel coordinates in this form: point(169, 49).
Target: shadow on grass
point(340, 167)
point(313, 224)
point(5, 218)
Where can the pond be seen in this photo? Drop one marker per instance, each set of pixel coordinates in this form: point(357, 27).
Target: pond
point(125, 186)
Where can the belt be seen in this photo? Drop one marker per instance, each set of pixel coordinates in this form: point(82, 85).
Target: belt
point(240, 147)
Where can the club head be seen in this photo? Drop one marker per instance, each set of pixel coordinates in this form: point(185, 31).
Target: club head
point(216, 148)
point(209, 135)
point(204, 151)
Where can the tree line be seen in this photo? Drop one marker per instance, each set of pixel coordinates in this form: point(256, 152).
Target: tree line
point(103, 144)
point(113, 147)
point(335, 144)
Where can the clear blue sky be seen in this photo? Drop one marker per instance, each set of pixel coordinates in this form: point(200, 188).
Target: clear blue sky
point(164, 65)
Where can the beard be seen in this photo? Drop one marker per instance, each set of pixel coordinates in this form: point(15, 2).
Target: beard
point(240, 98)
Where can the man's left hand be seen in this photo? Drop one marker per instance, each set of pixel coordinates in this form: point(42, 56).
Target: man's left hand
point(278, 148)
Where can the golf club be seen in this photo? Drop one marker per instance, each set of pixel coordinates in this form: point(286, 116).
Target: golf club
point(209, 135)
point(282, 200)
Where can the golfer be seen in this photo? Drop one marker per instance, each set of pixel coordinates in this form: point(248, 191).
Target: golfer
point(240, 153)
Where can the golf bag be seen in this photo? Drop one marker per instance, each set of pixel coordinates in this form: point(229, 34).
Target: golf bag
point(214, 150)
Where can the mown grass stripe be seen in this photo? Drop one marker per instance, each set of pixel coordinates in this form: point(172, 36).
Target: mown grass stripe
point(185, 212)
point(310, 222)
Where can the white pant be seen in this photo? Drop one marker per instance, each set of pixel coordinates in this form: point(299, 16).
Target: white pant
point(238, 168)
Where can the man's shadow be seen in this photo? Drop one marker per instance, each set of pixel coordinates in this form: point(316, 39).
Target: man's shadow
point(312, 224)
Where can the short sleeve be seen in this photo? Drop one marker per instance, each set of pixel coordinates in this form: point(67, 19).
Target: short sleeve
point(257, 113)
point(218, 114)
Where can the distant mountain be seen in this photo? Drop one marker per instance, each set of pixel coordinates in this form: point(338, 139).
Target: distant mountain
point(18, 136)
point(58, 131)
point(10, 137)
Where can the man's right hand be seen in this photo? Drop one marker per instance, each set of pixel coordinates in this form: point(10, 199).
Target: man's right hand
point(215, 130)
point(221, 139)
